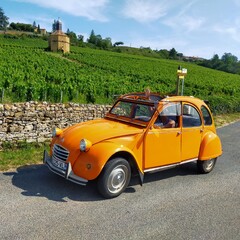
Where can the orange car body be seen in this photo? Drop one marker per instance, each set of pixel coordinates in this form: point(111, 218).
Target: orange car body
point(130, 130)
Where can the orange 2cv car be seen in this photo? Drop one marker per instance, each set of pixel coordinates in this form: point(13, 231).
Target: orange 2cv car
point(138, 135)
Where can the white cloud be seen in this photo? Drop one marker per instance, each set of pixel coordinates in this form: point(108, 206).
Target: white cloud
point(144, 10)
point(152, 10)
point(183, 20)
point(185, 23)
point(231, 30)
point(92, 10)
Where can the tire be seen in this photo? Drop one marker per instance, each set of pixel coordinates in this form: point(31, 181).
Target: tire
point(114, 178)
point(206, 166)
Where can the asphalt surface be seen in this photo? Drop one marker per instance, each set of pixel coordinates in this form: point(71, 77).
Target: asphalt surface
point(173, 204)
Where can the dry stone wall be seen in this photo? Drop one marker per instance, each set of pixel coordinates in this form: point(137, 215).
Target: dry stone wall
point(33, 121)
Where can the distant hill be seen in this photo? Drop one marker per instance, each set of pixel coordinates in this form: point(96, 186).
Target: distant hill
point(29, 72)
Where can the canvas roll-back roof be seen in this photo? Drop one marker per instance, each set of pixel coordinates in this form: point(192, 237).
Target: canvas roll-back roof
point(154, 97)
point(157, 97)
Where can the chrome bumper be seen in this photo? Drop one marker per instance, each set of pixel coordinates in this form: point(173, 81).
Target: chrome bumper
point(68, 173)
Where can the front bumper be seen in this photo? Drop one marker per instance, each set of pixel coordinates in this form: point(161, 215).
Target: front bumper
point(68, 173)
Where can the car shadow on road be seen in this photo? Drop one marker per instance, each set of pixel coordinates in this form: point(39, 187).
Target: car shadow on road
point(181, 170)
point(38, 181)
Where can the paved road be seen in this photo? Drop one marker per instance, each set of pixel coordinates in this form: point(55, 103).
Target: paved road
point(175, 204)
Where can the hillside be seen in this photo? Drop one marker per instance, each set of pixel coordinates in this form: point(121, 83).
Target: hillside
point(29, 72)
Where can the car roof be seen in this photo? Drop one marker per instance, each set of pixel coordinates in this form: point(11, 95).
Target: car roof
point(154, 97)
point(157, 97)
point(196, 101)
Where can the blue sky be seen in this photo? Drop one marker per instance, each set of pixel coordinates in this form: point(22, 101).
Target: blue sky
point(193, 27)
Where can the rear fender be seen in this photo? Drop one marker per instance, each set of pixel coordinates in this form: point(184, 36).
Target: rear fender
point(211, 146)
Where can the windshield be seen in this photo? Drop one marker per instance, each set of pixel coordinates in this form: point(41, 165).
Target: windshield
point(133, 110)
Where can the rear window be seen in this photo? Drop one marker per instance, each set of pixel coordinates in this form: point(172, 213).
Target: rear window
point(206, 116)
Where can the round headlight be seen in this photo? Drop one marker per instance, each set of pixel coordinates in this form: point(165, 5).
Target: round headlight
point(85, 145)
point(56, 132)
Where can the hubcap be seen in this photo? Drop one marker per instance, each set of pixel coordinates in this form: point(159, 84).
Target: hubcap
point(117, 179)
point(209, 164)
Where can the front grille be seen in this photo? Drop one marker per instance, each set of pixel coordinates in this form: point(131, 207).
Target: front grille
point(60, 153)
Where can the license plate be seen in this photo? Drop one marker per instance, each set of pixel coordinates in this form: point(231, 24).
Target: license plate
point(59, 164)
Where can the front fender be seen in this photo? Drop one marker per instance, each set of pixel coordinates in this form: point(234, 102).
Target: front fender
point(90, 164)
point(211, 146)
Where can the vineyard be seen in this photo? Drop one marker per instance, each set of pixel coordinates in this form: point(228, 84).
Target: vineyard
point(29, 72)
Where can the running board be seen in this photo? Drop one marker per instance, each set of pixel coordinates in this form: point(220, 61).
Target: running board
point(157, 169)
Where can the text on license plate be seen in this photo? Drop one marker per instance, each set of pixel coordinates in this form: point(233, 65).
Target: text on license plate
point(59, 164)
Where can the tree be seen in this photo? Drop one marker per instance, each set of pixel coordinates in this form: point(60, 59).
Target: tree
point(98, 41)
point(215, 62)
point(22, 27)
point(39, 29)
point(92, 38)
point(106, 43)
point(34, 25)
point(3, 20)
point(228, 58)
point(173, 53)
point(117, 44)
point(229, 63)
point(80, 38)
point(73, 37)
point(164, 53)
point(180, 56)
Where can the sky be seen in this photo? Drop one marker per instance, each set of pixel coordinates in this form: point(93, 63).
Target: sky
point(199, 28)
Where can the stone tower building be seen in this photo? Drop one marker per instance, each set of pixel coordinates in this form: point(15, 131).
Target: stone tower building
point(59, 41)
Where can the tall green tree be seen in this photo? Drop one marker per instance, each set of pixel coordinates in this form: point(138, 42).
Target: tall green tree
point(173, 53)
point(73, 37)
point(39, 29)
point(92, 38)
point(3, 20)
point(34, 24)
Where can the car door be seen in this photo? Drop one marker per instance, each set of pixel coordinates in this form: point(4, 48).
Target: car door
point(192, 131)
point(162, 144)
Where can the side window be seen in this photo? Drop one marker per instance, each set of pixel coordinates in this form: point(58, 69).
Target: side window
point(191, 117)
point(169, 117)
point(206, 116)
point(143, 112)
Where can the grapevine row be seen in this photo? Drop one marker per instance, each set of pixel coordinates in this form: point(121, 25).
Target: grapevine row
point(28, 72)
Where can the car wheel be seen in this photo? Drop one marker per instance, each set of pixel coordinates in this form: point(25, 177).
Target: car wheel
point(206, 166)
point(114, 178)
